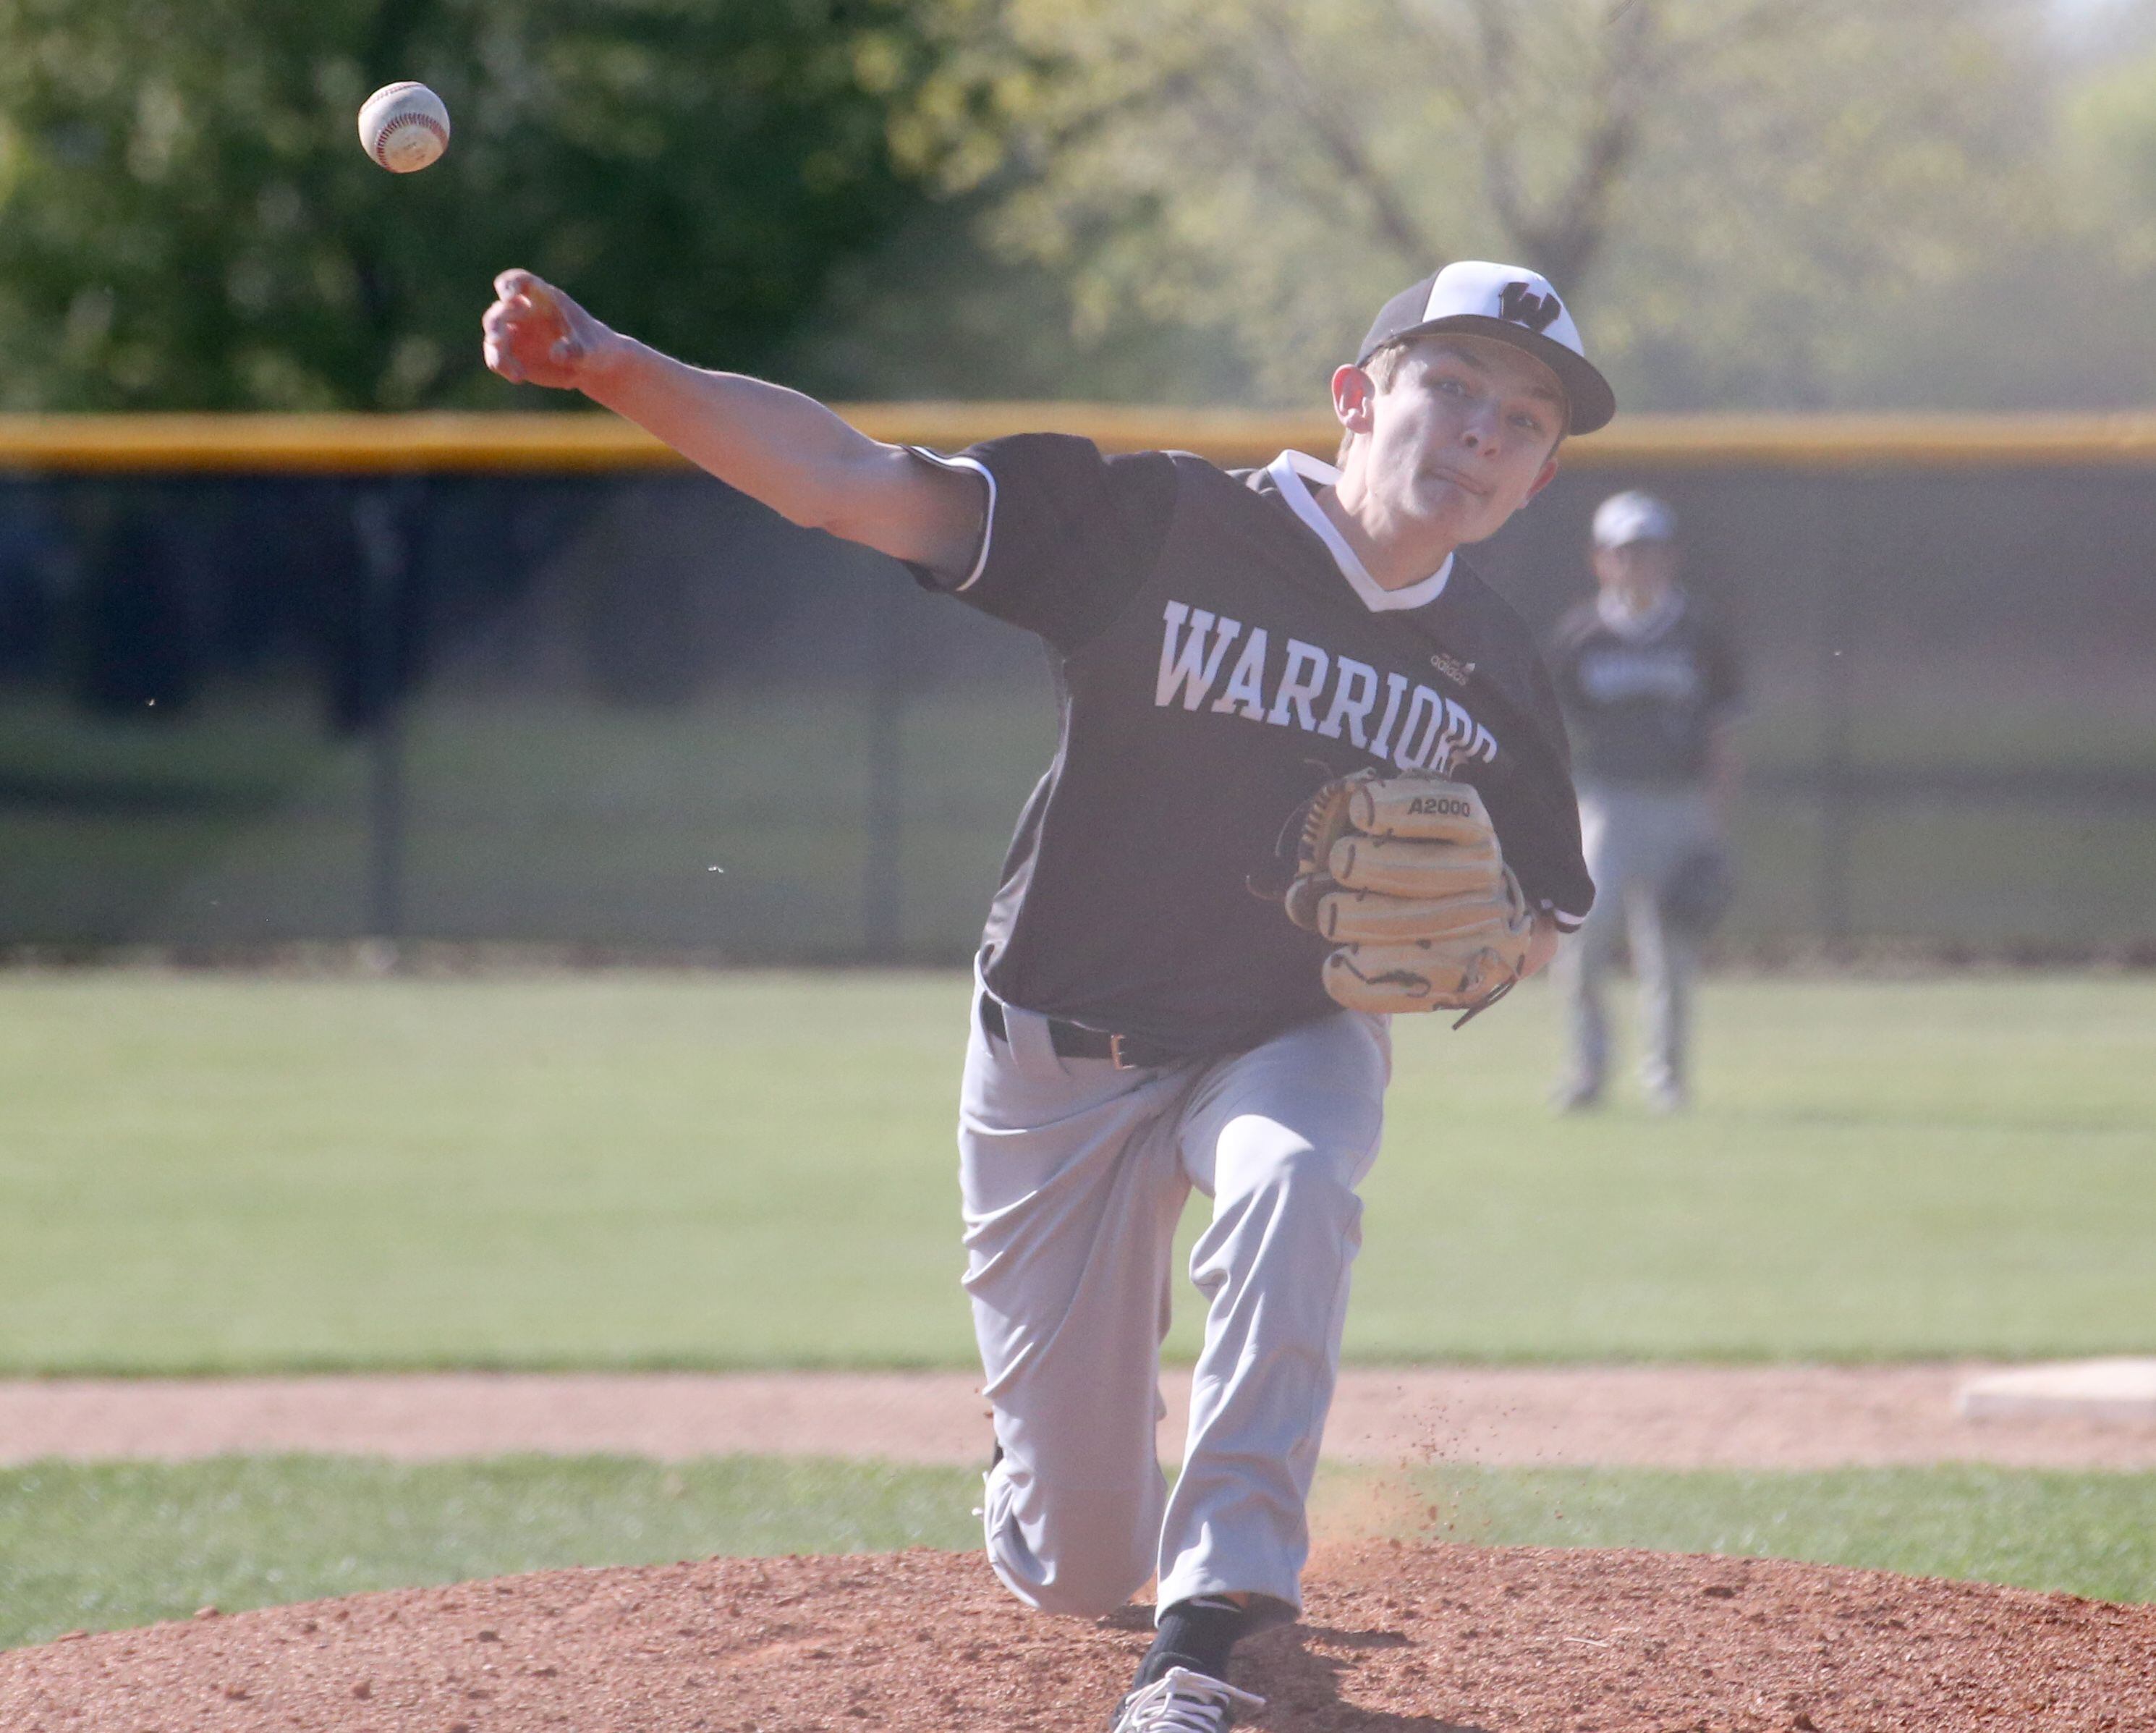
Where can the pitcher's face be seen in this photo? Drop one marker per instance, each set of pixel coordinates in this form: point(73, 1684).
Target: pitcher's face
point(1463, 435)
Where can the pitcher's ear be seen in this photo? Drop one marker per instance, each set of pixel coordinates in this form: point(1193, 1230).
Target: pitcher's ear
point(1353, 393)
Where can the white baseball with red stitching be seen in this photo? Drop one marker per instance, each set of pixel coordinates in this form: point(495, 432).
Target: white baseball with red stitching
point(404, 127)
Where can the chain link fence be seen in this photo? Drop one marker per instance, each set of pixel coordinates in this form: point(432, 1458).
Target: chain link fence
point(624, 712)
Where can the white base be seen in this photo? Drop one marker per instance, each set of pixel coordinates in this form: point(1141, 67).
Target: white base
point(2112, 1390)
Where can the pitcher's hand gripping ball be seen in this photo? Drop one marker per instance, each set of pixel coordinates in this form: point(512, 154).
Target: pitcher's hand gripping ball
point(404, 127)
point(1405, 874)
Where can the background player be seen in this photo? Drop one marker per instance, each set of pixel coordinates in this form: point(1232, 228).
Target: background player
point(1650, 687)
point(1222, 645)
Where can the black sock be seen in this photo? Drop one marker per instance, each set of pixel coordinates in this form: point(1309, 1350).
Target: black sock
point(1197, 1633)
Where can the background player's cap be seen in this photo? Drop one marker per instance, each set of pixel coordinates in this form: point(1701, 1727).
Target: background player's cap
point(1625, 518)
point(1514, 306)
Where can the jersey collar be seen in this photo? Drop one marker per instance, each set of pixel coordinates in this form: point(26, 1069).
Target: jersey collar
point(1291, 472)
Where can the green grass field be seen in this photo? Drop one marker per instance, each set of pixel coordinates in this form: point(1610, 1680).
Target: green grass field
point(101, 1547)
point(219, 1172)
point(244, 1174)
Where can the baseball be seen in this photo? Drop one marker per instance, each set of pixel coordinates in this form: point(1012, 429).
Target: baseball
point(404, 127)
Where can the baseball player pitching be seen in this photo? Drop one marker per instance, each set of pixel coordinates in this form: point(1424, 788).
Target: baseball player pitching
point(1311, 774)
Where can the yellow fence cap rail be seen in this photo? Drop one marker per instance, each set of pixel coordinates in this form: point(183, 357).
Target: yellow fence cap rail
point(325, 445)
point(1872, 441)
point(578, 441)
point(582, 442)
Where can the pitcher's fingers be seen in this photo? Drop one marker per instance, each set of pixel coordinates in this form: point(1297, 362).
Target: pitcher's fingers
point(510, 315)
point(500, 361)
point(544, 303)
point(537, 312)
point(513, 283)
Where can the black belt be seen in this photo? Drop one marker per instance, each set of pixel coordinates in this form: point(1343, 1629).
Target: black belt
point(1075, 1041)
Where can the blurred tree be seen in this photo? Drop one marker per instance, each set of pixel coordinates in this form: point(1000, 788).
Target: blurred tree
point(187, 218)
point(1732, 187)
point(2110, 143)
point(2056, 313)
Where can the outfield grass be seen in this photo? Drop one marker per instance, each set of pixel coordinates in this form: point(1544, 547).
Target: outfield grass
point(101, 1547)
point(216, 1173)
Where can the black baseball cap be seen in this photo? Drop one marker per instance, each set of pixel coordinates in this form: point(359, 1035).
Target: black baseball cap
point(1510, 305)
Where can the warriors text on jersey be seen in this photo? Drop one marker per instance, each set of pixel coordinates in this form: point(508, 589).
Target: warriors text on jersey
point(1643, 693)
point(1219, 651)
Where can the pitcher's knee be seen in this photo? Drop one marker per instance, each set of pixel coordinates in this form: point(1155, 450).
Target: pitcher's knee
point(1082, 1589)
point(1265, 1157)
point(1084, 1553)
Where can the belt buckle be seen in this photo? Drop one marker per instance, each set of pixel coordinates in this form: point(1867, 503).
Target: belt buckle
point(1116, 1054)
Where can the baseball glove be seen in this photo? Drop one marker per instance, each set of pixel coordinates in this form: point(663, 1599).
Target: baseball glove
point(1404, 873)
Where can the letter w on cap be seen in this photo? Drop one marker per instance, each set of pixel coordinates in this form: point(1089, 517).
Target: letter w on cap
point(1520, 304)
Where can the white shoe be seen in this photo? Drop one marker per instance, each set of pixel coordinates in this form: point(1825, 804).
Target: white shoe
point(1180, 1701)
point(1575, 1096)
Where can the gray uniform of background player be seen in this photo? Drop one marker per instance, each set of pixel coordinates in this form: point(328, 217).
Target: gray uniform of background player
point(1650, 687)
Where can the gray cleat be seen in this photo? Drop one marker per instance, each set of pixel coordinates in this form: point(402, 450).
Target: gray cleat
point(1180, 1701)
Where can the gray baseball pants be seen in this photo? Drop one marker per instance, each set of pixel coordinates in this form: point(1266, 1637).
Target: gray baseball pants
point(1633, 835)
point(1074, 1174)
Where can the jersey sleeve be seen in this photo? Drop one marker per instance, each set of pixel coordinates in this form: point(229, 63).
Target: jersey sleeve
point(1551, 863)
point(1069, 534)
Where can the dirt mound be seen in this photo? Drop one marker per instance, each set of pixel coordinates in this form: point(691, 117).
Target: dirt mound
point(1402, 1640)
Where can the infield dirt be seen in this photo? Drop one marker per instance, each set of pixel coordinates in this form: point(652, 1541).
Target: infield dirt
point(1678, 1417)
point(1395, 1639)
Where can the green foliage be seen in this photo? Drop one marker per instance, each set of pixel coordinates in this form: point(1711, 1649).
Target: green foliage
point(2112, 138)
point(187, 220)
point(1780, 204)
point(235, 1174)
point(1737, 193)
point(2053, 312)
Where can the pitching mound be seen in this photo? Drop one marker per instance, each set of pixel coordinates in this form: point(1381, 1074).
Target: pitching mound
point(1403, 1639)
